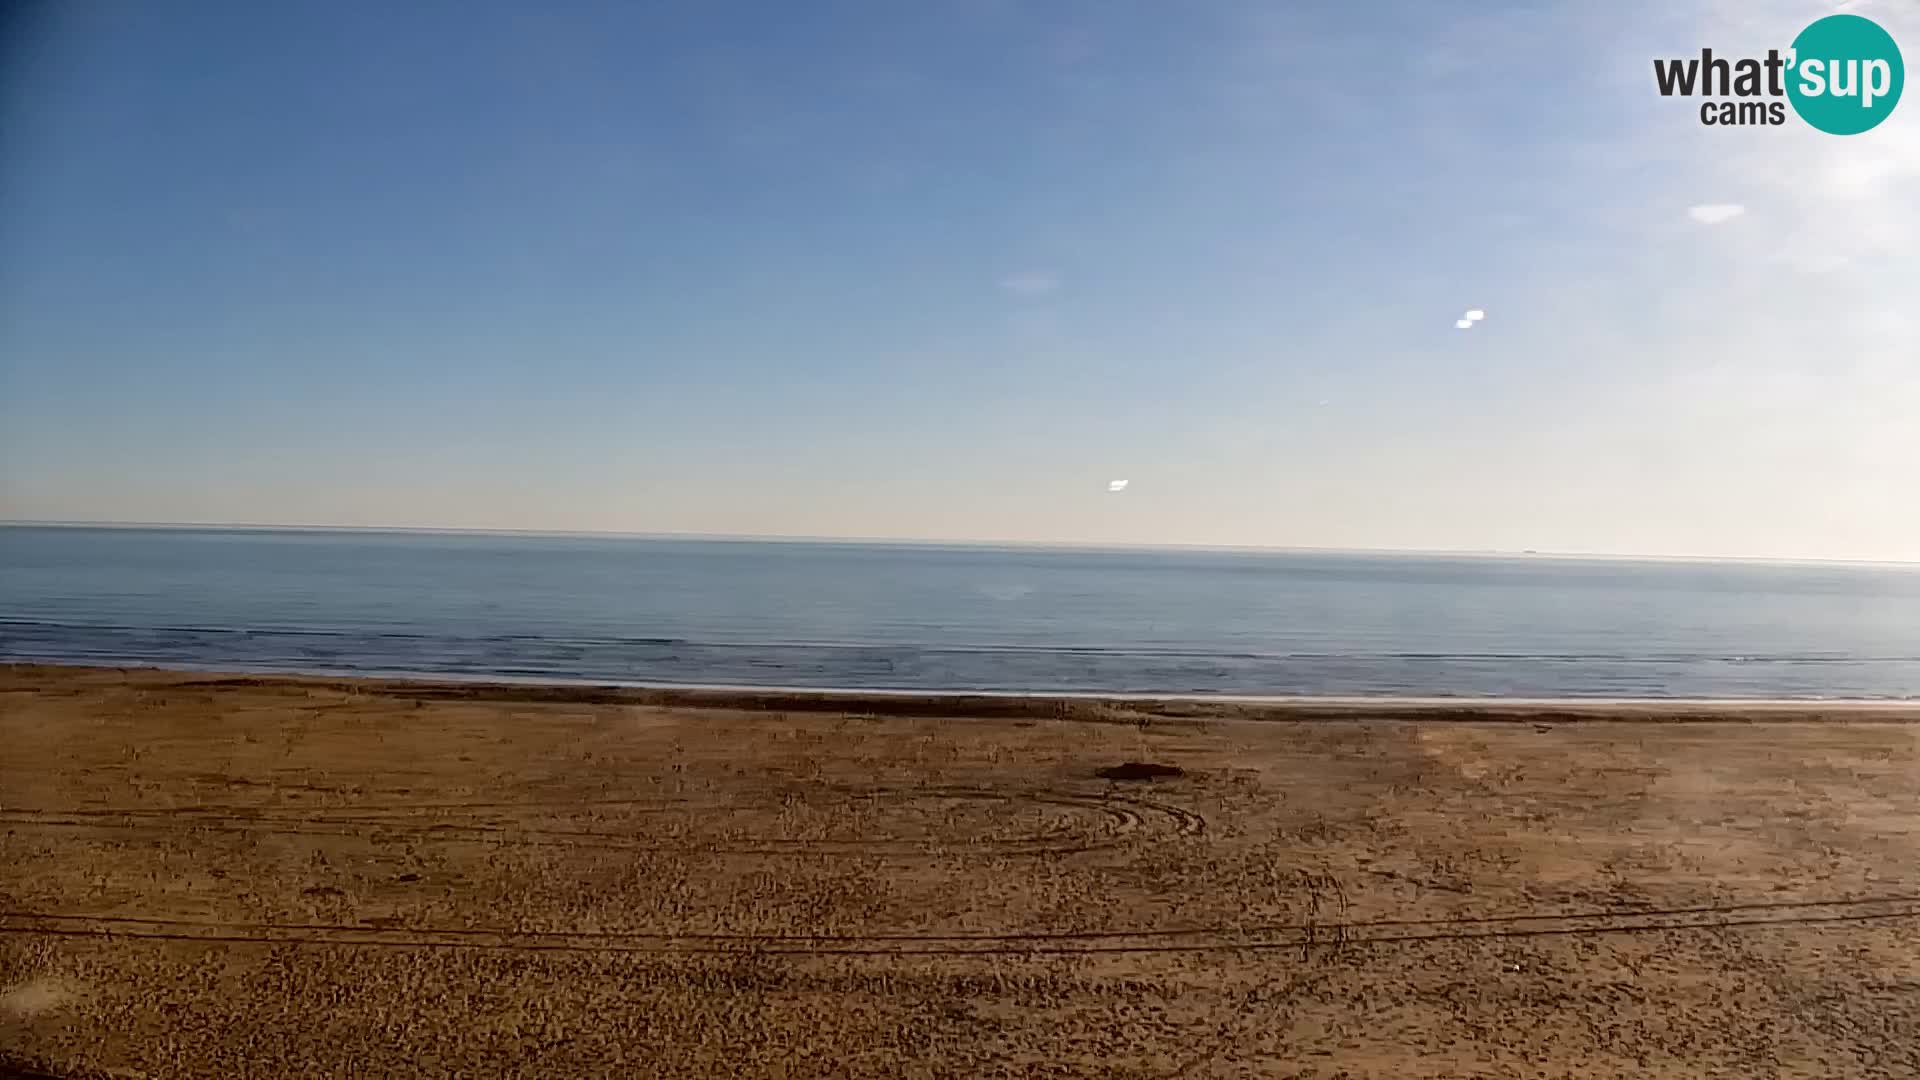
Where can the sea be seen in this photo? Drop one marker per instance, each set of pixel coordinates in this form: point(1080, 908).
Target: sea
point(805, 614)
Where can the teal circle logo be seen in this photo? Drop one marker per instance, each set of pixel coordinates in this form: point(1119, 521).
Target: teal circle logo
point(1846, 74)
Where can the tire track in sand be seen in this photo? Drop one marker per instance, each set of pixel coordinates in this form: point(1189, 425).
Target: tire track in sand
point(1117, 820)
point(1307, 937)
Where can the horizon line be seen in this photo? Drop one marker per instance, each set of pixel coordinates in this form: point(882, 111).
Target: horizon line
point(1063, 545)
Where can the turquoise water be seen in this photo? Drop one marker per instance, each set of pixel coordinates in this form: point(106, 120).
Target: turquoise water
point(620, 609)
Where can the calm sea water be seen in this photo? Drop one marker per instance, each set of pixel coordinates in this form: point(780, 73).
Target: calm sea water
point(951, 617)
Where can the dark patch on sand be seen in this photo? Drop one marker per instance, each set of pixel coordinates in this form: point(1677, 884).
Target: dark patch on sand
point(1139, 770)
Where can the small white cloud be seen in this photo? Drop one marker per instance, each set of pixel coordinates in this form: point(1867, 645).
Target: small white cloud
point(1475, 315)
point(1030, 283)
point(1715, 213)
point(1463, 324)
point(1819, 263)
point(1116, 485)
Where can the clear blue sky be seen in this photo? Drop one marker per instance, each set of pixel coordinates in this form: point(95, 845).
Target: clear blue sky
point(944, 269)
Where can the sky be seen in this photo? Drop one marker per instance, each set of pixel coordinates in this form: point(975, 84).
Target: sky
point(948, 269)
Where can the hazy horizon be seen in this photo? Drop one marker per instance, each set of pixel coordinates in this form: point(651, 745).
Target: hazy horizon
point(944, 274)
point(940, 541)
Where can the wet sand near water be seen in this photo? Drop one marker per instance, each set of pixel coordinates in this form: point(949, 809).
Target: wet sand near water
point(223, 876)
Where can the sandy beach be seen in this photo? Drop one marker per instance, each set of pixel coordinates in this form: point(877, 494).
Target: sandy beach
point(224, 876)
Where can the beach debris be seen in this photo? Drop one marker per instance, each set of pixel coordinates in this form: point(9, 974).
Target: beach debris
point(1139, 770)
point(1116, 486)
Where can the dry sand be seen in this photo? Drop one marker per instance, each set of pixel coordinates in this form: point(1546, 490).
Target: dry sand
point(241, 877)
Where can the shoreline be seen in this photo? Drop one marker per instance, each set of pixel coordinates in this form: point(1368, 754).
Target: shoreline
point(960, 704)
